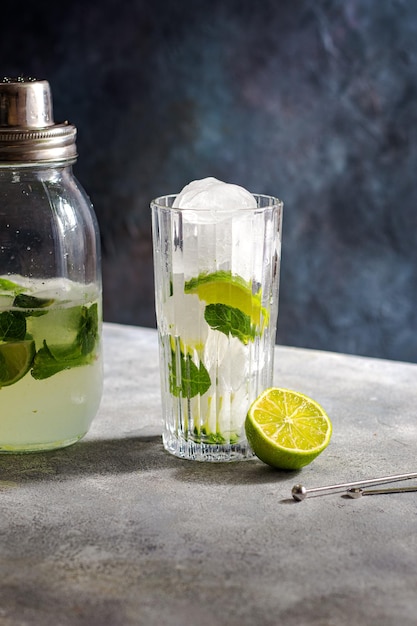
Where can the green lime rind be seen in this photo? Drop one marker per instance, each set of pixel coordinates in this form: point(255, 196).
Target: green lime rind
point(286, 429)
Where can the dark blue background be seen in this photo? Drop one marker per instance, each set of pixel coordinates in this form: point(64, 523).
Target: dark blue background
point(313, 101)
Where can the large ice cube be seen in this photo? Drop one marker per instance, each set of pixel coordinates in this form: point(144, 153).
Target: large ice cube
point(215, 196)
point(183, 316)
point(217, 231)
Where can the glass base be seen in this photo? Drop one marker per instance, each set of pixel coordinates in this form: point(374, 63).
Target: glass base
point(27, 448)
point(213, 453)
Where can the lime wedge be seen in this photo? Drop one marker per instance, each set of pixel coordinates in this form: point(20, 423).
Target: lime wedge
point(225, 288)
point(287, 429)
point(15, 360)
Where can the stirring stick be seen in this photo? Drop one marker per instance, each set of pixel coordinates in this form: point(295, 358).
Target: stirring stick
point(299, 492)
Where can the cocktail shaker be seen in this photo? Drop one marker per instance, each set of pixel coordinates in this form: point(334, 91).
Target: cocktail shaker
point(50, 278)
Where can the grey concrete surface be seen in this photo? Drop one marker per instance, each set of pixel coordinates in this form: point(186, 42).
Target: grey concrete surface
point(115, 531)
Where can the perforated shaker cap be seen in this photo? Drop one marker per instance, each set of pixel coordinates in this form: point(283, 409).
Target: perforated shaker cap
point(28, 133)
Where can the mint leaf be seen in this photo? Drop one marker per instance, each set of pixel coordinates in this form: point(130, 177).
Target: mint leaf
point(230, 321)
point(12, 326)
point(50, 360)
point(24, 301)
point(87, 335)
point(203, 435)
point(221, 276)
point(191, 380)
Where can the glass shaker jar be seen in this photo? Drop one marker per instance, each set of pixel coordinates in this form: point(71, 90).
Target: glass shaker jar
point(50, 280)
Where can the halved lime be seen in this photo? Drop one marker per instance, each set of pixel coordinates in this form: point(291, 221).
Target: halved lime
point(287, 429)
point(16, 358)
point(223, 287)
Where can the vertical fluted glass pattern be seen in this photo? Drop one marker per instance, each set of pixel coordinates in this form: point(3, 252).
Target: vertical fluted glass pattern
point(216, 298)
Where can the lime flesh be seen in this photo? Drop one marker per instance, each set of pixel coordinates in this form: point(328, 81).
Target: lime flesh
point(16, 358)
point(225, 288)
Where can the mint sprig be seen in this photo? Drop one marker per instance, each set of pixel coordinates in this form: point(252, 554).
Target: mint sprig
point(50, 360)
point(230, 321)
point(88, 332)
point(191, 380)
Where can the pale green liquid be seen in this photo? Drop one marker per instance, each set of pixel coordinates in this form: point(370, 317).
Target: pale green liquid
point(56, 411)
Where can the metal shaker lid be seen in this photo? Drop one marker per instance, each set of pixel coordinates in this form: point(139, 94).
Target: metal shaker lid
point(28, 133)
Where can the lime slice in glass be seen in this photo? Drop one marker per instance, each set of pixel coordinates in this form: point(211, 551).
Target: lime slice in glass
point(287, 429)
point(16, 358)
point(223, 287)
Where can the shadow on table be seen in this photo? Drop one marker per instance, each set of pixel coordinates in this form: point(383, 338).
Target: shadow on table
point(127, 455)
point(233, 473)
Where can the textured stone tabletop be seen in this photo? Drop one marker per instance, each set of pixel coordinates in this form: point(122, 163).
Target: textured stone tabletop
point(115, 531)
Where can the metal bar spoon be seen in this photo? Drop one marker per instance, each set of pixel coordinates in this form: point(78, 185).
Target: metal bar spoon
point(299, 492)
point(358, 492)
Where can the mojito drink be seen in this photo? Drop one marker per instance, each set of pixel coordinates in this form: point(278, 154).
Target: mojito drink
point(50, 362)
point(216, 281)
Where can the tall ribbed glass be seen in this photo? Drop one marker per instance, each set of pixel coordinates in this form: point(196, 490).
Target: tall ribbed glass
point(216, 296)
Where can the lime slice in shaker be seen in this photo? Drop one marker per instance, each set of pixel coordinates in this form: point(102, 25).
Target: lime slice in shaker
point(15, 360)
